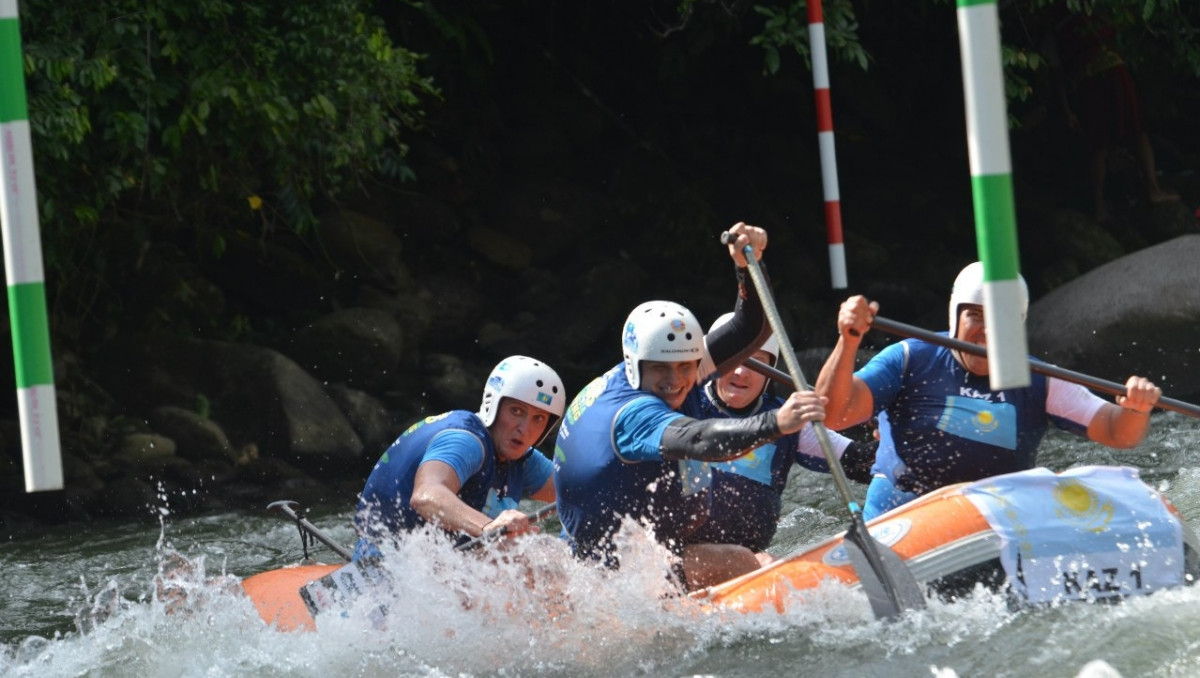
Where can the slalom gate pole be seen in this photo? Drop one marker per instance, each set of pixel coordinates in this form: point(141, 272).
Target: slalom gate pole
point(825, 141)
point(991, 188)
point(23, 265)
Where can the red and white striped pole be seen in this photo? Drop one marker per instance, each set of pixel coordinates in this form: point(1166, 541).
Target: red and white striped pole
point(833, 205)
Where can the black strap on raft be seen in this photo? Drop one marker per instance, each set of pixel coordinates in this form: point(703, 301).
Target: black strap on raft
point(305, 537)
point(309, 533)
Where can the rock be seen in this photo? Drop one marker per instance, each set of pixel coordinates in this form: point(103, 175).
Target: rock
point(1135, 315)
point(125, 497)
point(256, 395)
point(375, 425)
point(364, 247)
point(359, 347)
point(499, 248)
point(453, 384)
point(196, 438)
point(141, 448)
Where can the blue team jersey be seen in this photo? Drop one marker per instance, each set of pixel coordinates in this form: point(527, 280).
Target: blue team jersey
point(747, 491)
point(457, 438)
point(940, 424)
point(608, 464)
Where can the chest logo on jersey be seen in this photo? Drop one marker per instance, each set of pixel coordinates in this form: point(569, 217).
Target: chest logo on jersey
point(586, 398)
point(980, 420)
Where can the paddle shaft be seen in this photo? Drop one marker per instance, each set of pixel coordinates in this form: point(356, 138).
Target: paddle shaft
point(897, 590)
point(797, 376)
point(769, 372)
point(1102, 385)
point(535, 517)
point(286, 507)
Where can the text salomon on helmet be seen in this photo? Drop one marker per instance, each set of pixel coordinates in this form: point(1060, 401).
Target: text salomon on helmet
point(531, 381)
point(662, 331)
point(771, 345)
point(968, 289)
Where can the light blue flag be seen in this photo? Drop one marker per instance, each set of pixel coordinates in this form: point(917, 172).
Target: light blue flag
point(980, 420)
point(1090, 532)
point(756, 465)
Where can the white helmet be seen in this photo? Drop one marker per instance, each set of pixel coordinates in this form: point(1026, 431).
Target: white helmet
point(968, 289)
point(662, 331)
point(531, 381)
point(771, 345)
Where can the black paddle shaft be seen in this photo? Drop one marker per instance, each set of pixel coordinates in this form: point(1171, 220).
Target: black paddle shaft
point(535, 517)
point(1102, 385)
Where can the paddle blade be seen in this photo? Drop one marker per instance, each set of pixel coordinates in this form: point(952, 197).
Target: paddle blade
point(890, 585)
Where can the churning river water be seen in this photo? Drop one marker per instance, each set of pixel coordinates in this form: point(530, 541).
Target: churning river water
point(456, 615)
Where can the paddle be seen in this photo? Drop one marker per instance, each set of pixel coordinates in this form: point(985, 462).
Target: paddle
point(307, 529)
point(492, 535)
point(890, 586)
point(1110, 387)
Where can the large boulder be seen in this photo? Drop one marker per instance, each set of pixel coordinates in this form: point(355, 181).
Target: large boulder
point(256, 395)
point(359, 347)
point(1139, 314)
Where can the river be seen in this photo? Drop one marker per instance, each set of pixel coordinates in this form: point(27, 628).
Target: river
point(595, 624)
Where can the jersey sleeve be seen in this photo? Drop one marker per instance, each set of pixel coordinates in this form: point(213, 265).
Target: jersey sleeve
point(809, 452)
point(1071, 407)
point(638, 429)
point(884, 374)
point(463, 451)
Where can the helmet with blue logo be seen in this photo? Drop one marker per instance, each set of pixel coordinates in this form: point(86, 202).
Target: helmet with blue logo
point(661, 331)
point(968, 289)
point(531, 381)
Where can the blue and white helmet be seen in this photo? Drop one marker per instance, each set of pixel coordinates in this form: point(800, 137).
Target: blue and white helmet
point(662, 331)
point(771, 345)
point(968, 289)
point(531, 381)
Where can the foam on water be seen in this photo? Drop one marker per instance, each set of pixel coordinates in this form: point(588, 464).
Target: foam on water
point(529, 609)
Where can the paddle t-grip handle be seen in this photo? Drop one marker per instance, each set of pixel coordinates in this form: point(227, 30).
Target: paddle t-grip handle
point(728, 238)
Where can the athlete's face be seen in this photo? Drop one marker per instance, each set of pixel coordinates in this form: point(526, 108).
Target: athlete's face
point(670, 381)
point(972, 329)
point(740, 387)
point(517, 428)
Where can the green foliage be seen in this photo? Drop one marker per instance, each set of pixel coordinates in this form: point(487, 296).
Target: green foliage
point(786, 28)
point(153, 116)
point(1170, 27)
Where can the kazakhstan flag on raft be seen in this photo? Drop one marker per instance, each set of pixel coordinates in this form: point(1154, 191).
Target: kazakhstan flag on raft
point(1089, 532)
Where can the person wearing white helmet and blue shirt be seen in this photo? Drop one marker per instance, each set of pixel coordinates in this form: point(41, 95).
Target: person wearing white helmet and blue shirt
point(632, 443)
point(465, 471)
point(939, 421)
point(747, 491)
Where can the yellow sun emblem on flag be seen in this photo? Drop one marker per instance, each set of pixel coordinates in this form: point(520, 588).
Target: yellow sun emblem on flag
point(986, 421)
point(1080, 507)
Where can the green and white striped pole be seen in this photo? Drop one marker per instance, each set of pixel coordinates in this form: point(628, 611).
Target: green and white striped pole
point(23, 266)
point(991, 188)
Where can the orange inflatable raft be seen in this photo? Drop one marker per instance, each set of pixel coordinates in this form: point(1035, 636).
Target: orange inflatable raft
point(1088, 534)
point(950, 544)
point(276, 595)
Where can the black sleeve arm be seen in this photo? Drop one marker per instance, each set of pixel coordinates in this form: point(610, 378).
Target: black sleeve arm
point(717, 439)
point(735, 341)
point(857, 459)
